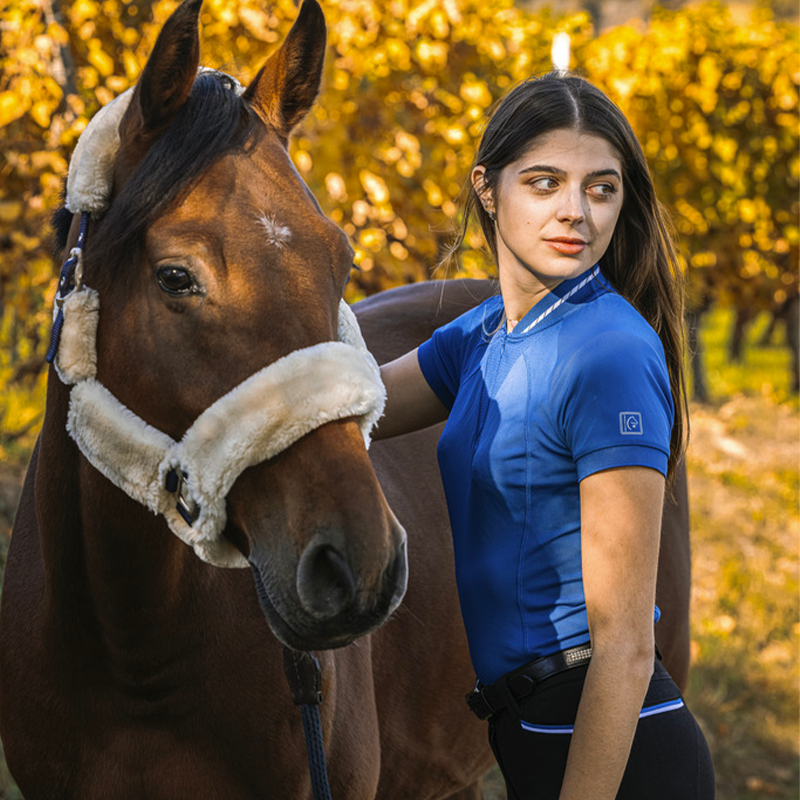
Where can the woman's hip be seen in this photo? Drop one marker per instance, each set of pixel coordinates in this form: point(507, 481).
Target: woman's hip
point(669, 757)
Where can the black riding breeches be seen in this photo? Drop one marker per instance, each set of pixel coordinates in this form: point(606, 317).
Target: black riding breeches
point(669, 758)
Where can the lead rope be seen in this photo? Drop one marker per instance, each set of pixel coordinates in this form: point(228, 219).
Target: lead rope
point(305, 681)
point(316, 752)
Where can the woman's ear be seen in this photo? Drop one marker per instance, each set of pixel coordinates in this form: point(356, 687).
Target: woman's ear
point(485, 194)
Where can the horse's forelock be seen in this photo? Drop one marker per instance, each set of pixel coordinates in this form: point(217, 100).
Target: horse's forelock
point(214, 120)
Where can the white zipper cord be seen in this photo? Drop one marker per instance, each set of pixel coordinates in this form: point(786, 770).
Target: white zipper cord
point(594, 273)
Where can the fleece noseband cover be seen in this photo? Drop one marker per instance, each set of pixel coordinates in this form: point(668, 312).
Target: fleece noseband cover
point(256, 420)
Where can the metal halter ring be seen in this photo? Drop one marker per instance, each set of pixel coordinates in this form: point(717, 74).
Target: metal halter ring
point(176, 483)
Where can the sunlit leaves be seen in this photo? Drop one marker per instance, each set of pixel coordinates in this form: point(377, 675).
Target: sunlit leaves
point(389, 144)
point(407, 89)
point(709, 100)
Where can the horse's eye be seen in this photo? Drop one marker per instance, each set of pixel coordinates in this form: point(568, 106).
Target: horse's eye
point(175, 280)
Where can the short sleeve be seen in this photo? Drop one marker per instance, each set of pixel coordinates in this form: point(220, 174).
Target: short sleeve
point(444, 358)
point(618, 409)
point(440, 362)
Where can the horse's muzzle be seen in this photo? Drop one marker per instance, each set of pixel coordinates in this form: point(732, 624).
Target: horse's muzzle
point(330, 609)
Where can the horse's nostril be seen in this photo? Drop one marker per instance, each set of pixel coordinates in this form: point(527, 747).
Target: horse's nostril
point(325, 583)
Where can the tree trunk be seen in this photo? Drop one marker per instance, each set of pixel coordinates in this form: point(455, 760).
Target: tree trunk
point(742, 321)
point(766, 337)
point(700, 387)
point(792, 316)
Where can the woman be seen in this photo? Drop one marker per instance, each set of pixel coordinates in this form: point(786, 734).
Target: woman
point(566, 411)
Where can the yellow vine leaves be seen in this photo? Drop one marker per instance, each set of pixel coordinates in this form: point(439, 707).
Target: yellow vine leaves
point(388, 146)
point(715, 105)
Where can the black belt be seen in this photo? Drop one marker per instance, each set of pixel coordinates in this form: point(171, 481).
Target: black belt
point(517, 685)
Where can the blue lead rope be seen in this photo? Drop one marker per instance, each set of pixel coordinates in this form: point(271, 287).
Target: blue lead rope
point(305, 682)
point(316, 752)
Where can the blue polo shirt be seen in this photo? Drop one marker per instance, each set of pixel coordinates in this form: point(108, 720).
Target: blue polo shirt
point(532, 414)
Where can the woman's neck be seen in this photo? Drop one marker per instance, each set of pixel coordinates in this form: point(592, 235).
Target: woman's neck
point(521, 292)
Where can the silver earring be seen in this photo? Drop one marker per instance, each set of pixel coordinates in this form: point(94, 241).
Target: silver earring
point(492, 214)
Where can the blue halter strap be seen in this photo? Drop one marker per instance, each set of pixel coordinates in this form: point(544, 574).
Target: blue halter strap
point(71, 278)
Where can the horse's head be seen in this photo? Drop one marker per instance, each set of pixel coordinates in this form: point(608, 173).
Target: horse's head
point(213, 262)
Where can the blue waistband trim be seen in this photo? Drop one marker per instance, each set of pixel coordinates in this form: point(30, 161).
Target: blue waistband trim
point(670, 705)
point(650, 711)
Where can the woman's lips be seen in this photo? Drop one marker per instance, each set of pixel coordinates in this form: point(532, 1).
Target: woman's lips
point(569, 247)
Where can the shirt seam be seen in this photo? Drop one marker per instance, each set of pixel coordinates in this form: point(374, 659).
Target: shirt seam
point(526, 530)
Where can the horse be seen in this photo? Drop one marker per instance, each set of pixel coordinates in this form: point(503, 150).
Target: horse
point(129, 666)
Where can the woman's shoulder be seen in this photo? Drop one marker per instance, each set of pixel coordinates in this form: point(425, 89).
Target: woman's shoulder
point(610, 341)
point(610, 317)
point(454, 347)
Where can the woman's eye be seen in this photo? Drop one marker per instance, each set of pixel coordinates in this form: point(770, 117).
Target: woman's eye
point(603, 189)
point(544, 184)
point(175, 280)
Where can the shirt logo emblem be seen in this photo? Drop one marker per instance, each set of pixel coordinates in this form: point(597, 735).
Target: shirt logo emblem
point(630, 423)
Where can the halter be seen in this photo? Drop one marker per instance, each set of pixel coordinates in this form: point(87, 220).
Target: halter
point(187, 481)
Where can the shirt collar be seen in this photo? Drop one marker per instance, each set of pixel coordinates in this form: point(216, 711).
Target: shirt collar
point(558, 300)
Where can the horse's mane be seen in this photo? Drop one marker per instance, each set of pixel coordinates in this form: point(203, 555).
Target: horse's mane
point(61, 222)
point(213, 121)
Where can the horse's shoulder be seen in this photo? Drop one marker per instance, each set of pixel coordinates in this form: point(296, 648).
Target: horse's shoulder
point(400, 319)
point(26, 507)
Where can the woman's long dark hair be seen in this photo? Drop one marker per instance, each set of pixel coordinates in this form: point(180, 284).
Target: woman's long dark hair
point(640, 263)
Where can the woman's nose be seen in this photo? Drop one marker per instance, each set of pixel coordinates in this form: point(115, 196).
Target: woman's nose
point(571, 208)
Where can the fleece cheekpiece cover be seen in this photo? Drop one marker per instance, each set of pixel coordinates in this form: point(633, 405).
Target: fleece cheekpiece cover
point(256, 420)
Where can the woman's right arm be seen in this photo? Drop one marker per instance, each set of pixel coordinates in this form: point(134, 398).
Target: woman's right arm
point(411, 404)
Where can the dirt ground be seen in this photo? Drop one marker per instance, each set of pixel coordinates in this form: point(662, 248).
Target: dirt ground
point(743, 472)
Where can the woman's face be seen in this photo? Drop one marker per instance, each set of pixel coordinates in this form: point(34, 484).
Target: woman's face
point(557, 207)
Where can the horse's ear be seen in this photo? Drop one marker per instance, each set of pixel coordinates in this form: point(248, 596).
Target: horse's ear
point(167, 78)
point(287, 84)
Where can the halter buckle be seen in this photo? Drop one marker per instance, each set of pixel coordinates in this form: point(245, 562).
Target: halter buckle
point(177, 483)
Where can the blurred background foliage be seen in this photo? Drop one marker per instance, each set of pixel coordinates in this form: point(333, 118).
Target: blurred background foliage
point(388, 145)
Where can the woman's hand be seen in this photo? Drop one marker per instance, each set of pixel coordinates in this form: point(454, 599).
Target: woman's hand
point(620, 528)
point(411, 404)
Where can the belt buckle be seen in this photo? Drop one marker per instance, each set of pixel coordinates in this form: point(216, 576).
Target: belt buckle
point(576, 656)
point(478, 704)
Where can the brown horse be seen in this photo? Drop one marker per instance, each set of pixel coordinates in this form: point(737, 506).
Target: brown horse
point(129, 668)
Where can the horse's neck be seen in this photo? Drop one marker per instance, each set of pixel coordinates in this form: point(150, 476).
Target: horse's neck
point(103, 553)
